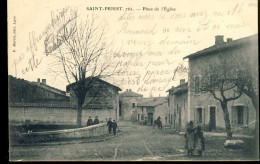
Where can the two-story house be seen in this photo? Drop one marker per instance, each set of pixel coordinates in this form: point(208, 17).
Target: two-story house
point(203, 108)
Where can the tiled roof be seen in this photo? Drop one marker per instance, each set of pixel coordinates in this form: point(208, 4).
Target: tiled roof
point(152, 102)
point(180, 89)
point(49, 88)
point(40, 85)
point(223, 46)
point(94, 79)
point(130, 94)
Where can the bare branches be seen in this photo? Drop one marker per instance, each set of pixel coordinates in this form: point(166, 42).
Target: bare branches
point(225, 79)
point(85, 50)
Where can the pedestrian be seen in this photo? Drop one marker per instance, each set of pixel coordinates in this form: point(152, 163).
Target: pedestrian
point(90, 122)
point(109, 124)
point(114, 125)
point(189, 138)
point(159, 122)
point(155, 123)
point(199, 140)
point(96, 121)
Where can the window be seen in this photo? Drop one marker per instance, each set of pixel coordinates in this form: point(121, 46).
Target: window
point(212, 79)
point(240, 114)
point(199, 115)
point(197, 84)
point(120, 108)
point(133, 105)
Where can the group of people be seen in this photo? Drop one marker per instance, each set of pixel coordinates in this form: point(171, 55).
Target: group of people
point(90, 122)
point(194, 139)
point(111, 125)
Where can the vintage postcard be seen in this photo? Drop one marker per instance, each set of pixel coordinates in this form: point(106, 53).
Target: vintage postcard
point(133, 80)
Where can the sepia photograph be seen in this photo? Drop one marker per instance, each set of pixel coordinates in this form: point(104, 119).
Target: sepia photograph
point(133, 80)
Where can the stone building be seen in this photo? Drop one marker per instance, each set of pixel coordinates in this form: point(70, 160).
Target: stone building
point(102, 99)
point(128, 102)
point(36, 103)
point(23, 91)
point(202, 107)
point(39, 103)
point(178, 98)
point(149, 109)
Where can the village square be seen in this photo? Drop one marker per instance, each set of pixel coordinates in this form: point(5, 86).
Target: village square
point(91, 81)
point(148, 128)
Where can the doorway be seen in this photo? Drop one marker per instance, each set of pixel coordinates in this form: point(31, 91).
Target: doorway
point(179, 126)
point(212, 118)
point(150, 118)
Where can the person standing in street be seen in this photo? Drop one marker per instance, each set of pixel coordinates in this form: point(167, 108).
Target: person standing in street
point(159, 122)
point(199, 141)
point(96, 121)
point(114, 125)
point(90, 122)
point(189, 138)
point(109, 124)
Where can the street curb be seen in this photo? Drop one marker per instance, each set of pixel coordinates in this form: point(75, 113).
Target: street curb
point(67, 143)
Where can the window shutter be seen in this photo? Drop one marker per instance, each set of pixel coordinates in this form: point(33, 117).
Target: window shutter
point(245, 115)
point(234, 115)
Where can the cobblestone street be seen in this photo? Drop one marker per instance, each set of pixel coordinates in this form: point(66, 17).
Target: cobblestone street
point(137, 143)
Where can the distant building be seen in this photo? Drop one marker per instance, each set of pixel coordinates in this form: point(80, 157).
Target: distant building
point(178, 98)
point(149, 109)
point(23, 91)
point(128, 102)
point(202, 107)
point(102, 99)
point(37, 103)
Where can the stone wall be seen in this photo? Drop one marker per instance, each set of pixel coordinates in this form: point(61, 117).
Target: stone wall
point(19, 115)
point(78, 133)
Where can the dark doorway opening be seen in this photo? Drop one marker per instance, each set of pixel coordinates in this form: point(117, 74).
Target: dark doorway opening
point(212, 118)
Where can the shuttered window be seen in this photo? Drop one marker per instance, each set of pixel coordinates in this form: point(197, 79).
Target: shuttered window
point(198, 115)
point(240, 115)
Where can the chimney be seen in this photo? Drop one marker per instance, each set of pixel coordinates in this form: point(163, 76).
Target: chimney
point(38, 80)
point(182, 81)
point(130, 90)
point(219, 39)
point(229, 39)
point(44, 81)
point(126, 90)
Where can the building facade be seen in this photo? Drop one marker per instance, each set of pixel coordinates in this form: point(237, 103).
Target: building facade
point(128, 102)
point(149, 109)
point(102, 99)
point(36, 103)
point(178, 105)
point(203, 108)
point(23, 91)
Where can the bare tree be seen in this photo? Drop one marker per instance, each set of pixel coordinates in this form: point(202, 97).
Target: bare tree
point(223, 79)
point(81, 51)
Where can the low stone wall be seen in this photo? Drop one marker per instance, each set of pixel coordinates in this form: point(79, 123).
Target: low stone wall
point(85, 132)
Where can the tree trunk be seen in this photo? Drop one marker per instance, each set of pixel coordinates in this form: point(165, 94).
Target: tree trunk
point(227, 120)
point(79, 112)
point(79, 117)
